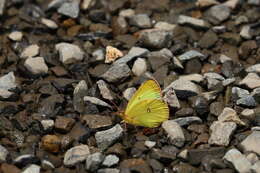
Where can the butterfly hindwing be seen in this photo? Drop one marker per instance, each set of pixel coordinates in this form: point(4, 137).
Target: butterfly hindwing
point(148, 90)
point(149, 113)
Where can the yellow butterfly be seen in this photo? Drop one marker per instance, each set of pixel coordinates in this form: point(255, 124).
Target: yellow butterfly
point(146, 107)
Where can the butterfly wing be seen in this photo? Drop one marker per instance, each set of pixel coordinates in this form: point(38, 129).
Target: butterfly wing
point(148, 90)
point(148, 113)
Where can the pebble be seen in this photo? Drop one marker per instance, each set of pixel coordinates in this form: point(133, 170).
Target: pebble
point(214, 76)
point(183, 154)
point(36, 65)
point(107, 137)
point(252, 158)
point(208, 40)
point(96, 101)
point(127, 13)
point(188, 120)
point(95, 121)
point(47, 165)
point(64, 124)
point(174, 132)
point(69, 53)
point(150, 144)
point(217, 14)
point(155, 38)
point(98, 55)
point(221, 132)
point(2, 7)
point(30, 51)
point(51, 143)
point(112, 54)
point(171, 98)
point(256, 94)
point(8, 81)
point(141, 21)
point(246, 32)
point(133, 53)
point(238, 160)
point(198, 78)
point(8, 168)
point(192, 54)
point(32, 169)
point(49, 23)
point(108, 170)
point(86, 4)
point(252, 81)
point(219, 29)
point(47, 124)
point(117, 72)
point(165, 26)
point(3, 153)
point(253, 69)
point(206, 3)
point(110, 160)
point(70, 9)
point(254, 2)
point(93, 161)
point(159, 58)
point(75, 155)
point(256, 167)
point(239, 92)
point(26, 159)
point(128, 93)
point(193, 22)
point(230, 115)
point(246, 101)
point(248, 114)
point(80, 91)
point(250, 143)
point(104, 90)
point(232, 3)
point(228, 81)
point(16, 36)
point(139, 67)
point(183, 88)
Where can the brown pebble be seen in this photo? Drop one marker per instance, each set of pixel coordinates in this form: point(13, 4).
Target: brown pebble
point(6, 168)
point(64, 124)
point(51, 143)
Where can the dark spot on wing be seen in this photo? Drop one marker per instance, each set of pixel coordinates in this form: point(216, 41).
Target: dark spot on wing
point(148, 110)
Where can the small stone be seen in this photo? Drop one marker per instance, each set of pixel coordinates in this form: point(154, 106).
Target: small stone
point(36, 66)
point(127, 13)
point(193, 22)
point(3, 154)
point(184, 167)
point(171, 98)
point(98, 55)
point(79, 92)
point(246, 101)
point(230, 115)
point(104, 90)
point(221, 132)
point(253, 69)
point(250, 143)
point(252, 158)
point(241, 20)
point(256, 94)
point(93, 161)
point(246, 32)
point(30, 51)
point(208, 39)
point(192, 77)
point(216, 108)
point(252, 81)
point(192, 54)
point(155, 38)
point(133, 53)
point(201, 105)
point(165, 26)
point(8, 168)
point(51, 143)
point(69, 53)
point(47, 165)
point(217, 14)
point(86, 4)
point(183, 88)
point(159, 58)
point(149, 144)
point(75, 155)
point(110, 160)
point(214, 76)
point(7, 82)
point(112, 54)
point(238, 160)
point(219, 29)
point(64, 124)
point(232, 3)
point(16, 36)
point(128, 93)
point(70, 9)
point(32, 169)
point(248, 114)
point(183, 154)
point(228, 81)
point(206, 3)
point(108, 170)
point(239, 92)
point(254, 2)
point(26, 159)
point(96, 121)
point(188, 120)
point(96, 101)
point(49, 23)
point(107, 137)
point(2, 7)
point(139, 67)
point(174, 132)
point(116, 72)
point(141, 21)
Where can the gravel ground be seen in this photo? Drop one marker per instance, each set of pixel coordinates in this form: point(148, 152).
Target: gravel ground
point(66, 65)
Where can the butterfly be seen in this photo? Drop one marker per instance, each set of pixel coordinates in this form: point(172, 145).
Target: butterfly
point(146, 107)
